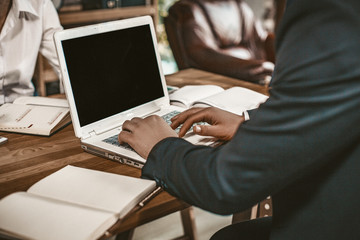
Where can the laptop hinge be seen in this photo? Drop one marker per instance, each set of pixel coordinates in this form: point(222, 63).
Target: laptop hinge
point(88, 135)
point(161, 106)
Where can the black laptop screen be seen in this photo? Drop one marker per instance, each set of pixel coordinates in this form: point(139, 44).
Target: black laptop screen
point(112, 72)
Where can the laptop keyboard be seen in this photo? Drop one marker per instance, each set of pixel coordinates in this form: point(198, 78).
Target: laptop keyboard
point(114, 139)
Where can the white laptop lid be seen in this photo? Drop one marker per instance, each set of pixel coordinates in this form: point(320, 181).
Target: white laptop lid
point(111, 72)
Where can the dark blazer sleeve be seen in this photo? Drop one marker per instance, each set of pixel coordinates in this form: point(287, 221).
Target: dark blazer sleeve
point(308, 122)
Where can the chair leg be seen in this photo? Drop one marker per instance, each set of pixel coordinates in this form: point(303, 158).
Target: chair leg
point(246, 215)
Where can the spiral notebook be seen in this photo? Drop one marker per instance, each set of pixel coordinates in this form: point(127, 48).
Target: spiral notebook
point(34, 115)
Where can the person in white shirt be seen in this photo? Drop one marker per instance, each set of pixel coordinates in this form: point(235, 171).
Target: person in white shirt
point(26, 28)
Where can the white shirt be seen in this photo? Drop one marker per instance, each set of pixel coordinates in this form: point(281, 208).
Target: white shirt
point(28, 29)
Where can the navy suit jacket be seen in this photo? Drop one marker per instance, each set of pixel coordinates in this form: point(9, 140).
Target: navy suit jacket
point(302, 146)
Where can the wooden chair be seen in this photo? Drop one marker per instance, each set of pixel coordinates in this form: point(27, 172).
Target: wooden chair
point(43, 74)
point(262, 209)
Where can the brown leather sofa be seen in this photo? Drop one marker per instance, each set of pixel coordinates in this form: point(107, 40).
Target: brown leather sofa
point(220, 36)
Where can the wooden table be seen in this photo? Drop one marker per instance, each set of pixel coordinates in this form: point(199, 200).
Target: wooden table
point(25, 159)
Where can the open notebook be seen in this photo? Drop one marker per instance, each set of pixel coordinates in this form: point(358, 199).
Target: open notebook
point(73, 203)
point(112, 72)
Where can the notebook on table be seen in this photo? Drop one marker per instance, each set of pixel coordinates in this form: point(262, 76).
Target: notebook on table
point(112, 72)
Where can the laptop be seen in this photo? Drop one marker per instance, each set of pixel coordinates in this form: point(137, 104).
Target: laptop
point(111, 73)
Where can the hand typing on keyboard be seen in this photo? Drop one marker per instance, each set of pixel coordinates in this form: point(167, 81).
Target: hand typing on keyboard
point(167, 117)
point(223, 124)
point(143, 134)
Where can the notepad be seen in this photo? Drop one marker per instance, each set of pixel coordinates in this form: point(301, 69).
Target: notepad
point(34, 115)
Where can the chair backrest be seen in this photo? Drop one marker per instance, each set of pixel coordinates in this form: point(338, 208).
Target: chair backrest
point(44, 74)
point(219, 24)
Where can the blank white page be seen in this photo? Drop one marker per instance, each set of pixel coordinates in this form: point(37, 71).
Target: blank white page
point(187, 95)
point(32, 217)
point(111, 192)
point(235, 99)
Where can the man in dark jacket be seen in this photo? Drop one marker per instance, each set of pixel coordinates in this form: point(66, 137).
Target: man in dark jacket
point(301, 147)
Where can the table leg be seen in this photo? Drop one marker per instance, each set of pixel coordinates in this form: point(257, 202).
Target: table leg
point(188, 221)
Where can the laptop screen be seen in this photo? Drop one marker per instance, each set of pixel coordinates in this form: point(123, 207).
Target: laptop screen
point(112, 72)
